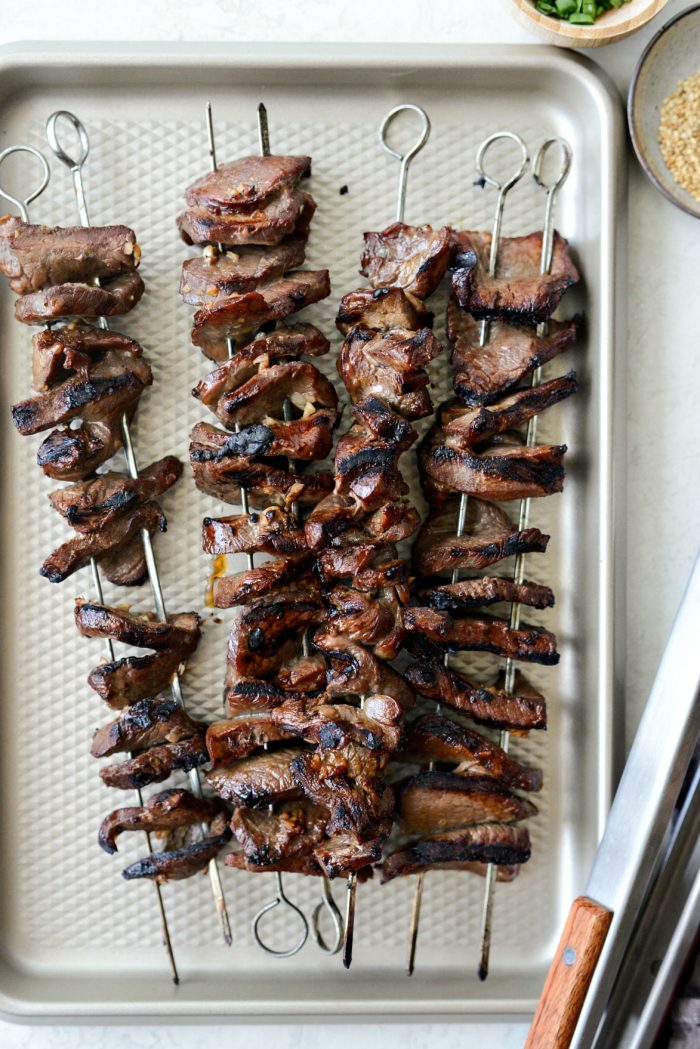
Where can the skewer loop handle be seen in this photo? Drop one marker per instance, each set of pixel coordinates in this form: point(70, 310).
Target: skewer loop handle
point(280, 899)
point(329, 904)
point(482, 173)
point(23, 204)
point(404, 158)
point(57, 148)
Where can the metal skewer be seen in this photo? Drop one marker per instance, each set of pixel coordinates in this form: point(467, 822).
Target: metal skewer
point(22, 207)
point(75, 166)
point(484, 331)
point(404, 160)
point(551, 190)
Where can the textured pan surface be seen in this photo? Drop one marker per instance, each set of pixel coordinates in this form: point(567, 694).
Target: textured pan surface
point(77, 939)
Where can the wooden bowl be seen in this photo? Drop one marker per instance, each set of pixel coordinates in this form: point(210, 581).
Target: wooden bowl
point(613, 25)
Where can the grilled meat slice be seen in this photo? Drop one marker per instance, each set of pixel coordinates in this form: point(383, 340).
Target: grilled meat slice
point(38, 257)
point(213, 278)
point(518, 289)
point(355, 671)
point(90, 505)
point(303, 674)
point(347, 781)
point(345, 853)
point(246, 586)
point(375, 620)
point(524, 708)
point(126, 566)
point(265, 393)
point(143, 725)
point(469, 426)
point(123, 681)
point(366, 469)
point(113, 385)
point(253, 695)
point(238, 737)
point(165, 810)
point(77, 552)
point(443, 739)
point(489, 536)
point(482, 634)
point(367, 566)
point(499, 843)
point(382, 310)
point(271, 531)
point(73, 349)
point(177, 864)
point(114, 298)
point(483, 374)
point(496, 471)
point(266, 633)
point(156, 764)
point(284, 213)
point(304, 864)
point(73, 454)
point(340, 516)
point(390, 365)
point(308, 438)
point(295, 341)
point(483, 590)
point(244, 184)
point(437, 801)
point(180, 632)
point(236, 318)
point(257, 781)
point(414, 258)
point(267, 484)
point(267, 838)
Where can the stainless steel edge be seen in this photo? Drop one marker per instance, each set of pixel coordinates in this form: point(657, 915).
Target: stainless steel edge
point(27, 64)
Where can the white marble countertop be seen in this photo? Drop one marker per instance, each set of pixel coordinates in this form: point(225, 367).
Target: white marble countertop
point(663, 421)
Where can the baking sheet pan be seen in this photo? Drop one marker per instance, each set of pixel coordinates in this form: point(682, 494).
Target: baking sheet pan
point(77, 941)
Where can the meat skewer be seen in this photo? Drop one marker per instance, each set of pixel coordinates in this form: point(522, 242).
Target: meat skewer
point(405, 160)
point(551, 189)
point(503, 190)
point(23, 206)
point(75, 167)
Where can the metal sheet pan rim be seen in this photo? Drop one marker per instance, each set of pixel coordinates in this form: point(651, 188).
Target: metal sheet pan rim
point(28, 58)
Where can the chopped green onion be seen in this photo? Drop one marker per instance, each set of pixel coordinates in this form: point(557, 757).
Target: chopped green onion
point(577, 12)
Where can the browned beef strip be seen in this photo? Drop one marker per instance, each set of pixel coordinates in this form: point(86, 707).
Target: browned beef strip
point(305, 864)
point(366, 469)
point(214, 277)
point(489, 536)
point(237, 317)
point(243, 184)
point(366, 566)
point(143, 630)
point(256, 781)
point(271, 531)
point(345, 853)
point(115, 297)
point(295, 341)
point(113, 386)
point(265, 393)
point(483, 590)
point(73, 348)
point(156, 764)
point(303, 674)
point(267, 632)
point(375, 620)
point(518, 289)
point(123, 681)
point(444, 739)
point(377, 726)
point(89, 505)
point(37, 257)
point(348, 781)
point(497, 471)
point(267, 223)
point(165, 810)
point(469, 426)
point(382, 310)
point(126, 566)
point(390, 365)
point(482, 634)
point(483, 374)
point(255, 695)
point(499, 843)
point(524, 709)
point(72, 454)
point(143, 725)
point(432, 802)
point(338, 518)
point(177, 864)
point(355, 671)
point(269, 838)
point(77, 552)
point(309, 438)
point(244, 587)
point(414, 258)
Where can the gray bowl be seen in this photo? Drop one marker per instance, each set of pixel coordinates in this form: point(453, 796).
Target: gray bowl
point(672, 55)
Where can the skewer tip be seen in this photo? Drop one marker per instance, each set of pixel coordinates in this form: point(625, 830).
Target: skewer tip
point(483, 972)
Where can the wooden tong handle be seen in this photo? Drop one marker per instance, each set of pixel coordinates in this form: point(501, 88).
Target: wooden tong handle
point(570, 975)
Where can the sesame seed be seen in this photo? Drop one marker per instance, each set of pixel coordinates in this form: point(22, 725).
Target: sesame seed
point(679, 134)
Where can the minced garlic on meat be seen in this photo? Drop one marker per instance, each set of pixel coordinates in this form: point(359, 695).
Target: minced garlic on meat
point(679, 134)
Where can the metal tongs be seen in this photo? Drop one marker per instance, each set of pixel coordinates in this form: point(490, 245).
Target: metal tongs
point(600, 923)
